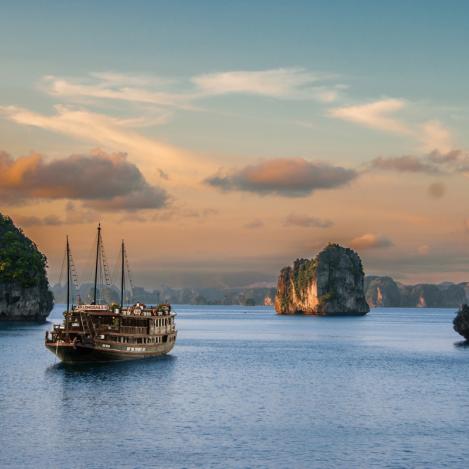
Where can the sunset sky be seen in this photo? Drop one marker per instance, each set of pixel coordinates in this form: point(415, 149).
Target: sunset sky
point(223, 140)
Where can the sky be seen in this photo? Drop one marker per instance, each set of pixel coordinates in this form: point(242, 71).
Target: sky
point(223, 140)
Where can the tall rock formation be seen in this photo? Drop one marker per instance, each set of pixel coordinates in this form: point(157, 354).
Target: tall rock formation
point(461, 322)
point(382, 291)
point(24, 289)
point(330, 284)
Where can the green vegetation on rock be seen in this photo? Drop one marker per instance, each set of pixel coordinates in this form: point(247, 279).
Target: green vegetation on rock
point(304, 271)
point(20, 260)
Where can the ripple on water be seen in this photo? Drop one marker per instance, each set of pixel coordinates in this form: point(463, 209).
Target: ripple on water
point(246, 389)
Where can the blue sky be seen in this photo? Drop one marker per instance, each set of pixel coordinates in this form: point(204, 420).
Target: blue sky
point(210, 101)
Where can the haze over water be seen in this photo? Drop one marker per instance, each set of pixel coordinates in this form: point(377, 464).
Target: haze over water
point(245, 388)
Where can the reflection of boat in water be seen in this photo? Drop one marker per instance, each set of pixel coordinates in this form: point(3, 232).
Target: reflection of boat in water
point(101, 332)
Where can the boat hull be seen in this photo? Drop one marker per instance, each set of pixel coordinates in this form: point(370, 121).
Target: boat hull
point(68, 353)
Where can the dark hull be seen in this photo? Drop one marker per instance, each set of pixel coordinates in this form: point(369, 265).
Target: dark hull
point(68, 353)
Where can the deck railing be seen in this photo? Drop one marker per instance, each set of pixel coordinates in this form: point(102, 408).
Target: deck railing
point(133, 330)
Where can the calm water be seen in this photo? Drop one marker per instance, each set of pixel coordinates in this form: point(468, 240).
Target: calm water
point(245, 388)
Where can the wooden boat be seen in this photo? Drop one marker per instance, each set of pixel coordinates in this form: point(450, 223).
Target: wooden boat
point(100, 332)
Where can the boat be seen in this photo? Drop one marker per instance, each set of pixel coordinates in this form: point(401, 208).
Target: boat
point(108, 332)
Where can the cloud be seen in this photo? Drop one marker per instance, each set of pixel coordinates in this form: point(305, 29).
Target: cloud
point(436, 190)
point(370, 241)
point(118, 87)
point(162, 174)
point(78, 215)
point(254, 224)
point(145, 197)
point(277, 83)
point(435, 136)
point(375, 115)
point(74, 215)
point(105, 181)
point(405, 163)
point(180, 213)
point(106, 131)
point(288, 177)
point(423, 250)
point(307, 221)
point(455, 161)
point(49, 220)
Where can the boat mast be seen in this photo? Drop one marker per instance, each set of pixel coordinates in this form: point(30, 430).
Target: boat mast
point(68, 276)
point(122, 273)
point(96, 265)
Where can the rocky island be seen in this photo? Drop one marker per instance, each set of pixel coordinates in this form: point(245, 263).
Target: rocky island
point(24, 288)
point(461, 322)
point(330, 284)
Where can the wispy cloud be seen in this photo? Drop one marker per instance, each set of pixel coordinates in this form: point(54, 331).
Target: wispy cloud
point(119, 87)
point(383, 115)
point(27, 221)
point(435, 136)
point(307, 221)
point(376, 115)
point(454, 161)
point(404, 164)
point(282, 83)
point(110, 132)
point(74, 215)
point(254, 224)
point(277, 83)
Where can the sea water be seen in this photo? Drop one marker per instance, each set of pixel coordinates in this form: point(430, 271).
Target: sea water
point(244, 388)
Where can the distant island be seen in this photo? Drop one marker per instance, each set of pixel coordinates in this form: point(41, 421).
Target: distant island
point(24, 288)
point(379, 292)
point(329, 284)
point(386, 292)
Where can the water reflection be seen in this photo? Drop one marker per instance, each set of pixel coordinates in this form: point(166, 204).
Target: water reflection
point(462, 344)
point(110, 371)
point(246, 390)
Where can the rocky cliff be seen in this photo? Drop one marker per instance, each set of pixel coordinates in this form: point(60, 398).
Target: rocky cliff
point(24, 289)
point(384, 291)
point(330, 284)
point(461, 322)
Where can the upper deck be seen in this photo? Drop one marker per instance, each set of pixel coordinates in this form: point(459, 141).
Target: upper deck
point(139, 310)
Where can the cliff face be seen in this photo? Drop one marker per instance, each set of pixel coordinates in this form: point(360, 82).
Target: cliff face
point(461, 322)
point(330, 284)
point(24, 289)
point(384, 291)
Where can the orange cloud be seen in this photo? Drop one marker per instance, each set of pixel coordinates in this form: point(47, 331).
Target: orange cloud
point(370, 241)
point(105, 181)
point(288, 177)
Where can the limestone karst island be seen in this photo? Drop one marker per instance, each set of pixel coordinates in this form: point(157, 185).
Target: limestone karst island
point(24, 288)
point(330, 284)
